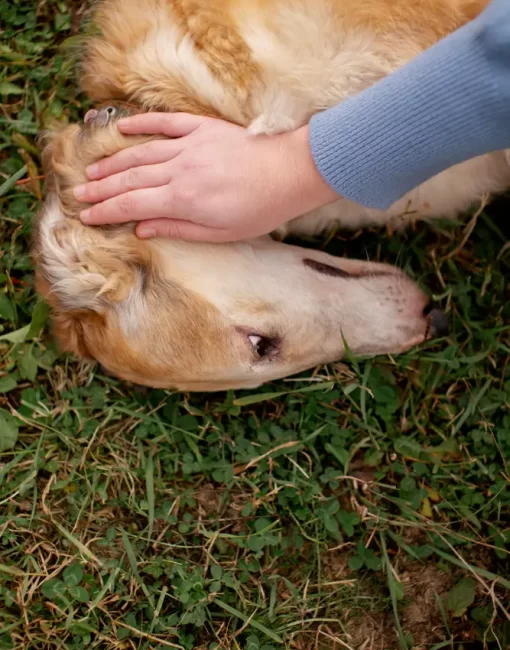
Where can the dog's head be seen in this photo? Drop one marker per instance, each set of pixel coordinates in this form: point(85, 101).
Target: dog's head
point(199, 316)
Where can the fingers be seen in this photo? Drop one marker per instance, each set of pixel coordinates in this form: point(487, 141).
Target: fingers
point(148, 203)
point(153, 207)
point(174, 125)
point(135, 178)
point(181, 229)
point(148, 153)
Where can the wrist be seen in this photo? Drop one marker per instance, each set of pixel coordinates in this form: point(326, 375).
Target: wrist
point(308, 186)
point(297, 185)
point(294, 186)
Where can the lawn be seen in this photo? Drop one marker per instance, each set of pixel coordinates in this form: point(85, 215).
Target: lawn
point(362, 506)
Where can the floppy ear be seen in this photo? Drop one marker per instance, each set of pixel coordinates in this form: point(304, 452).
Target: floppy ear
point(81, 271)
point(86, 267)
point(68, 327)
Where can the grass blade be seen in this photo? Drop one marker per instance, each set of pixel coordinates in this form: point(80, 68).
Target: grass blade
point(264, 397)
point(11, 570)
point(483, 573)
point(149, 486)
point(76, 542)
point(11, 182)
point(246, 619)
point(108, 585)
point(393, 594)
point(134, 567)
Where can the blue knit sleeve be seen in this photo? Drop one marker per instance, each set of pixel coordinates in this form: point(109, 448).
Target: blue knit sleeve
point(449, 104)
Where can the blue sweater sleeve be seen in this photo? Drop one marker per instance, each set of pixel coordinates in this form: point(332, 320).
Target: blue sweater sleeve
point(449, 104)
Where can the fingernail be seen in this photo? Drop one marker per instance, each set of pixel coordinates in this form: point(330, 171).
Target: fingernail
point(85, 216)
point(146, 233)
point(92, 170)
point(79, 191)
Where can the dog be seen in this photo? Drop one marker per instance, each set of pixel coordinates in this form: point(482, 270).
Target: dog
point(207, 317)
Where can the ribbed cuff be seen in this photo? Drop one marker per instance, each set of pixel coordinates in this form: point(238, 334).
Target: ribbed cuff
point(448, 105)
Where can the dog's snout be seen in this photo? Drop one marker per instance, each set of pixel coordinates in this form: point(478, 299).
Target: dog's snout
point(437, 319)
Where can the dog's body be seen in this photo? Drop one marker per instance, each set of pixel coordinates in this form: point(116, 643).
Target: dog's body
point(268, 65)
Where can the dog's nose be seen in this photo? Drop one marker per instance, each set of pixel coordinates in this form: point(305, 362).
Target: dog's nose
point(101, 117)
point(438, 321)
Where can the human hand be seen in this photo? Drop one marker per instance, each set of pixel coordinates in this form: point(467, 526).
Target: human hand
point(211, 180)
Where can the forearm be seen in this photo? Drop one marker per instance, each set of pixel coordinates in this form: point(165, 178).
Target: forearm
point(450, 104)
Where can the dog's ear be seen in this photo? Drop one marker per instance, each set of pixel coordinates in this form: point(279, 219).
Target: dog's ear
point(68, 326)
point(86, 267)
point(72, 330)
point(81, 271)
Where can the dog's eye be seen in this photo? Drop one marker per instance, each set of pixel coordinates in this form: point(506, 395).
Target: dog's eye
point(264, 346)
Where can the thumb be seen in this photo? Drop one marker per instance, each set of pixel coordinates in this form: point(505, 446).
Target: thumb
point(181, 229)
point(173, 125)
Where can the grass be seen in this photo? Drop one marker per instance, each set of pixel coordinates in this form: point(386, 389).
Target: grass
point(365, 505)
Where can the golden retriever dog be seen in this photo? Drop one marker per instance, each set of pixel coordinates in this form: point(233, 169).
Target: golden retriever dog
point(197, 316)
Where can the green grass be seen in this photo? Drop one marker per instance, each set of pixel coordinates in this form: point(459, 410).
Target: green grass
point(368, 508)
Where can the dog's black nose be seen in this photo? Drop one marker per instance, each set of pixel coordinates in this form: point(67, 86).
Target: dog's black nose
point(438, 321)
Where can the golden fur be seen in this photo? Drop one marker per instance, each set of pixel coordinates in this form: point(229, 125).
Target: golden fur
point(192, 316)
point(213, 28)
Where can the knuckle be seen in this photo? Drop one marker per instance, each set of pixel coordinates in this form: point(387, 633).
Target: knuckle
point(93, 194)
point(167, 120)
point(96, 215)
point(183, 196)
point(130, 179)
point(106, 167)
point(125, 205)
point(188, 165)
point(141, 153)
point(174, 230)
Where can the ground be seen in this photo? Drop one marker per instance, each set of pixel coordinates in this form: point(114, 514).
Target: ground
point(365, 505)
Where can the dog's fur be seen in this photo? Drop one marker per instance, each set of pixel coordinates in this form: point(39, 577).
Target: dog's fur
point(207, 317)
